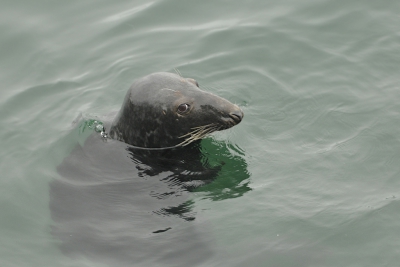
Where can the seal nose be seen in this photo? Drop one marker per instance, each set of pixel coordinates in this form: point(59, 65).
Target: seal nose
point(236, 115)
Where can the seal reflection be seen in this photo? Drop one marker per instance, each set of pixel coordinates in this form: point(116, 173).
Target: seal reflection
point(118, 205)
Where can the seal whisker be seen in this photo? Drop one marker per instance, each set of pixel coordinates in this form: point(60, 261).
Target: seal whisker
point(178, 72)
point(180, 75)
point(191, 133)
point(198, 133)
point(197, 130)
point(203, 126)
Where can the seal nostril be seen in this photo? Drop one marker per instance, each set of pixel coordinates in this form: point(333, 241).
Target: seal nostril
point(236, 115)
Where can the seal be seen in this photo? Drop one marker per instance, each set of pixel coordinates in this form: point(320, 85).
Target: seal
point(127, 199)
point(165, 110)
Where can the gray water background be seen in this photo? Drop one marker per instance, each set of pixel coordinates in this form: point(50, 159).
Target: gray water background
point(318, 81)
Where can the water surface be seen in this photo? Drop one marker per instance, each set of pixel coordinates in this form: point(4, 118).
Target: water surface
point(312, 176)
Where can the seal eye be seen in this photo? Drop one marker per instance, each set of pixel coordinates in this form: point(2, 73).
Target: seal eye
point(183, 108)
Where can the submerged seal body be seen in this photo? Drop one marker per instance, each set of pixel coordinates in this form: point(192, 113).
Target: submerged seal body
point(123, 204)
point(166, 110)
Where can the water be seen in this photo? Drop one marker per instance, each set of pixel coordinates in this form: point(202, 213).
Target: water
point(318, 149)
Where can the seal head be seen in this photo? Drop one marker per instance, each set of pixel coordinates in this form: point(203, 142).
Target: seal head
point(165, 110)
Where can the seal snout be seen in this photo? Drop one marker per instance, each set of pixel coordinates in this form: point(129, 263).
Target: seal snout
point(236, 115)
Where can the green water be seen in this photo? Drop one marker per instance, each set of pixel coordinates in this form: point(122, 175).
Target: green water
point(319, 148)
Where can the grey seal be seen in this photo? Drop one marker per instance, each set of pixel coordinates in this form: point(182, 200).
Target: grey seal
point(126, 200)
